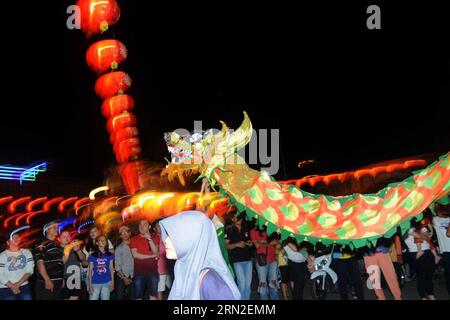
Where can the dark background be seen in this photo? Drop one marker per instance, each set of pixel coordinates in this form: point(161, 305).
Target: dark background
point(340, 93)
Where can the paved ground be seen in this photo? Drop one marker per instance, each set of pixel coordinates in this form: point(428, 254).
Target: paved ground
point(409, 291)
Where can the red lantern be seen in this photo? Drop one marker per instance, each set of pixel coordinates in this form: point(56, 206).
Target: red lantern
point(98, 15)
point(114, 106)
point(106, 55)
point(126, 144)
point(123, 120)
point(112, 83)
point(130, 173)
point(128, 154)
point(123, 134)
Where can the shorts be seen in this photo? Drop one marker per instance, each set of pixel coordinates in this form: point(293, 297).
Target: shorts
point(284, 272)
point(165, 280)
point(43, 294)
point(145, 286)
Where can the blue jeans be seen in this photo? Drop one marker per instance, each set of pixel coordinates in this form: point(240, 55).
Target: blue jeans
point(101, 290)
point(145, 286)
point(7, 294)
point(268, 275)
point(243, 272)
point(123, 292)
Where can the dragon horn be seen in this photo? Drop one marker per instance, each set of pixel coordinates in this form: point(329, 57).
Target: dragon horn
point(241, 137)
point(224, 128)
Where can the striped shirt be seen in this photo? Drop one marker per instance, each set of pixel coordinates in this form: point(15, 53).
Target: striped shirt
point(52, 255)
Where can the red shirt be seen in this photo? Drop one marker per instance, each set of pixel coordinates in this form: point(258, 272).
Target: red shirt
point(269, 250)
point(144, 267)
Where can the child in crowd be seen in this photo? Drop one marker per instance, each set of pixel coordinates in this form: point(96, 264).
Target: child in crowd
point(101, 271)
point(426, 229)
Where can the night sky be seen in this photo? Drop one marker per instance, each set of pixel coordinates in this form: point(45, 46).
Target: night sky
point(340, 93)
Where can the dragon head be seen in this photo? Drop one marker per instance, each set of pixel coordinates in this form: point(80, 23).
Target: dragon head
point(202, 152)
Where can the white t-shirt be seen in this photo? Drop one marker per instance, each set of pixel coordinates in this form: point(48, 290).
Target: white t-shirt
point(295, 256)
point(441, 226)
point(13, 265)
point(410, 242)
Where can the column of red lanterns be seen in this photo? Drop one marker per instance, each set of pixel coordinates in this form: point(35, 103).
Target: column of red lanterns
point(104, 57)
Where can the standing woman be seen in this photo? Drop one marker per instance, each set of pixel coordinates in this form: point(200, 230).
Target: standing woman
point(266, 264)
point(101, 271)
point(165, 279)
point(94, 233)
point(90, 243)
point(297, 268)
point(201, 272)
point(378, 261)
point(239, 243)
point(282, 262)
point(72, 258)
point(425, 263)
point(16, 267)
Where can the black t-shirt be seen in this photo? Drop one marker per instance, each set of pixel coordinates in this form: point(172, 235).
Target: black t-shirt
point(238, 254)
point(73, 265)
point(52, 255)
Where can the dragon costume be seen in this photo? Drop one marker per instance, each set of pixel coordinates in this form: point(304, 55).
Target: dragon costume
point(356, 220)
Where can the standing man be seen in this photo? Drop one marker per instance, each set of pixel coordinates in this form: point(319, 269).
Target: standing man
point(441, 224)
point(124, 266)
point(16, 267)
point(239, 244)
point(347, 269)
point(144, 248)
point(50, 266)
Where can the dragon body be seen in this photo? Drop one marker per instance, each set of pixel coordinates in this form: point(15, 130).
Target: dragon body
point(356, 220)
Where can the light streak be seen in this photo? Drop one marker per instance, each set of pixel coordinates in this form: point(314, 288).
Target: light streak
point(97, 190)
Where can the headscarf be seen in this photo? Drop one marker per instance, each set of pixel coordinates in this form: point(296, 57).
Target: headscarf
point(197, 248)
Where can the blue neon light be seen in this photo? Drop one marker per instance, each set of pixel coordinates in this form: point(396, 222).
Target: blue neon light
point(22, 174)
point(84, 224)
point(65, 223)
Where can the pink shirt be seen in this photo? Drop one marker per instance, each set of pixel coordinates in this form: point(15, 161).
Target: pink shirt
point(162, 261)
